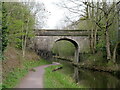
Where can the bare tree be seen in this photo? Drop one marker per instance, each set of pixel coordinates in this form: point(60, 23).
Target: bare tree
point(102, 14)
point(39, 12)
point(107, 10)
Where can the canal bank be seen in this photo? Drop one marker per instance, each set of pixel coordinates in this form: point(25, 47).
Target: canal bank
point(58, 79)
point(90, 78)
point(106, 67)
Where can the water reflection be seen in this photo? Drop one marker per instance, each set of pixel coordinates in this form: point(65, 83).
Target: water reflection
point(95, 79)
point(76, 75)
point(91, 79)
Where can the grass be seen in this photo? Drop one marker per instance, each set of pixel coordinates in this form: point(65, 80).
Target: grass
point(58, 79)
point(14, 77)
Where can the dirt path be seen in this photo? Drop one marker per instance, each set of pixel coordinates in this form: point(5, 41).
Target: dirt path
point(34, 79)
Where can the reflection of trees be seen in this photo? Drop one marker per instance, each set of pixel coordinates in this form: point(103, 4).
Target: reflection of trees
point(113, 82)
point(95, 79)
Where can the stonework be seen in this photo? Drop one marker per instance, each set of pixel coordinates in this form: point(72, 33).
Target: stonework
point(45, 42)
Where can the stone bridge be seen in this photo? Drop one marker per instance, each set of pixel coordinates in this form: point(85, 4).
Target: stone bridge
point(45, 40)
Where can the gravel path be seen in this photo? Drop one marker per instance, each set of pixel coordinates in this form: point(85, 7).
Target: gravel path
point(34, 79)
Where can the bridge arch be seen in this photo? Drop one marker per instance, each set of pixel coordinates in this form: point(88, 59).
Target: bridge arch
point(70, 40)
point(76, 55)
point(45, 39)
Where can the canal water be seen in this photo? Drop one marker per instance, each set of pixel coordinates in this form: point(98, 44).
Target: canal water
point(90, 79)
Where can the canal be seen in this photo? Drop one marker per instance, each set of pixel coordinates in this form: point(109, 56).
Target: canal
point(83, 77)
point(90, 79)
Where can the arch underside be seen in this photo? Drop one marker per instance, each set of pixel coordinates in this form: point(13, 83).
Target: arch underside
point(70, 40)
point(76, 55)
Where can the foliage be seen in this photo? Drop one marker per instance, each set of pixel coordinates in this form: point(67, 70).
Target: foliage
point(101, 18)
point(105, 19)
point(4, 28)
point(0, 27)
point(17, 24)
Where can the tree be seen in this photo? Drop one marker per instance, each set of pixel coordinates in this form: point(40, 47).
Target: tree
point(4, 28)
point(39, 12)
point(109, 13)
point(101, 16)
point(19, 22)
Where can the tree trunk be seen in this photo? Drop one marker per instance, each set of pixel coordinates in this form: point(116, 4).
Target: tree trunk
point(24, 47)
point(119, 23)
point(22, 37)
point(114, 53)
point(107, 44)
point(25, 41)
point(95, 37)
point(22, 42)
point(107, 39)
point(92, 29)
point(92, 41)
point(95, 32)
point(90, 44)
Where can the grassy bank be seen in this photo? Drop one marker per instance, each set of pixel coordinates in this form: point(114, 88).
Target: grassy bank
point(14, 67)
point(58, 79)
point(92, 62)
point(14, 77)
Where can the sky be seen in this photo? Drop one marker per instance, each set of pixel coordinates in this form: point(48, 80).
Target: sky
point(56, 16)
point(55, 19)
point(56, 13)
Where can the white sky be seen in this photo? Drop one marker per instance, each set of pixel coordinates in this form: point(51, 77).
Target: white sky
point(56, 13)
